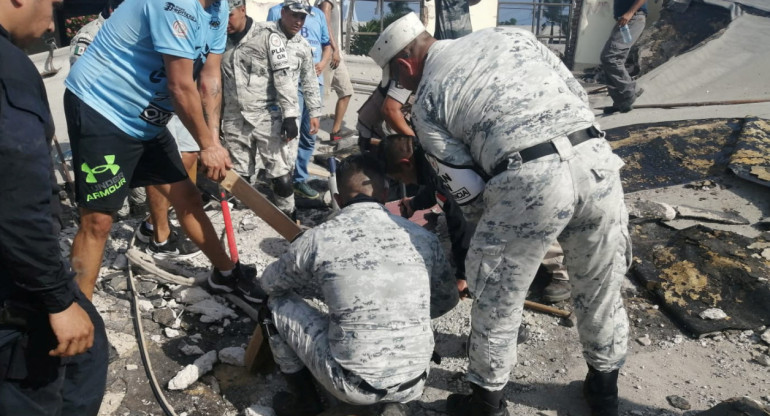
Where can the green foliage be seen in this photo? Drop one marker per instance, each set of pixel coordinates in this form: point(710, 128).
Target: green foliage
point(361, 44)
point(509, 22)
point(557, 15)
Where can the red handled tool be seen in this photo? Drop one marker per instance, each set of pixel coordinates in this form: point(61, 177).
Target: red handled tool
point(229, 228)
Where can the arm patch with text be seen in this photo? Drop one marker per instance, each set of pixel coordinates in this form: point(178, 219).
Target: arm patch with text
point(279, 57)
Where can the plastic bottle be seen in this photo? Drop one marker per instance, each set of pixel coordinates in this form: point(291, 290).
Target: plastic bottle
point(625, 33)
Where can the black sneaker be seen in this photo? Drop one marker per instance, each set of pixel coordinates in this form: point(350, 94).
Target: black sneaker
point(144, 233)
point(242, 282)
point(304, 190)
point(174, 248)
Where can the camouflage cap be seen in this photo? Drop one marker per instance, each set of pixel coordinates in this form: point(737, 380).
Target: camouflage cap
point(298, 6)
point(234, 4)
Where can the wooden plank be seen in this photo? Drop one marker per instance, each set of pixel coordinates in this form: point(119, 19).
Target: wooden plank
point(261, 206)
point(257, 352)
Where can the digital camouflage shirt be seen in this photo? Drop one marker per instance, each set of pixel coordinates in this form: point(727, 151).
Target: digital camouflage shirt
point(263, 69)
point(382, 278)
point(84, 37)
point(509, 92)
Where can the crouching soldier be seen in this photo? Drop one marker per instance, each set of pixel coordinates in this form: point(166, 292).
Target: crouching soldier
point(375, 342)
point(261, 69)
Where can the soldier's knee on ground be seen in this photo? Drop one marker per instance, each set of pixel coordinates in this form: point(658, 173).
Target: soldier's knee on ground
point(282, 186)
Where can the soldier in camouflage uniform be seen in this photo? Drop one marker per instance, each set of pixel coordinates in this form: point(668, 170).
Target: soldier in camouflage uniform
point(261, 68)
point(510, 129)
point(382, 277)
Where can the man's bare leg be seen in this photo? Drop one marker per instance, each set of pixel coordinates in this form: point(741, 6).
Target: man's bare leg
point(88, 248)
point(159, 204)
point(339, 113)
point(186, 200)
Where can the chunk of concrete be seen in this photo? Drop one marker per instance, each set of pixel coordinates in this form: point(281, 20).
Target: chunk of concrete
point(212, 309)
point(766, 336)
point(191, 373)
point(190, 350)
point(233, 356)
point(164, 316)
point(646, 209)
point(710, 215)
point(713, 314)
point(190, 295)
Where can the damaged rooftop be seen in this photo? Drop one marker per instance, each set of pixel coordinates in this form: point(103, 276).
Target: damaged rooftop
point(697, 181)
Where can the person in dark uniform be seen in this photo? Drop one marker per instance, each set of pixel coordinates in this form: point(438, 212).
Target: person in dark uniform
point(53, 346)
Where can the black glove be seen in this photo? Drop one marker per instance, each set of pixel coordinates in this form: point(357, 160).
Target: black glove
point(289, 128)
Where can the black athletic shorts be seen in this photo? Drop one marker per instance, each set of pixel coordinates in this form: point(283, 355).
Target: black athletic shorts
point(107, 161)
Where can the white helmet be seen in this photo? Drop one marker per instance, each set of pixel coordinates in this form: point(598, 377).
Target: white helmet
point(393, 39)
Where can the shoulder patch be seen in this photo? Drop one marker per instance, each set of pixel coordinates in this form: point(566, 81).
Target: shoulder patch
point(180, 29)
point(80, 46)
point(279, 58)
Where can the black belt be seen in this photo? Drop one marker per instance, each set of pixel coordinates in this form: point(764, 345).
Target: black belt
point(382, 392)
point(547, 148)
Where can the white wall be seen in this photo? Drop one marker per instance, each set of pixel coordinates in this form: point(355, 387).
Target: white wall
point(257, 9)
point(484, 14)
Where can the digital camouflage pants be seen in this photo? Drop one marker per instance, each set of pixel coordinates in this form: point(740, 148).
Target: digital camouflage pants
point(576, 195)
point(255, 141)
point(303, 341)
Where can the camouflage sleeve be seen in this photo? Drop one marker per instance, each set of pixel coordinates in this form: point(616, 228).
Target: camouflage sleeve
point(292, 270)
point(285, 87)
point(443, 290)
point(310, 88)
point(436, 139)
point(78, 46)
point(562, 71)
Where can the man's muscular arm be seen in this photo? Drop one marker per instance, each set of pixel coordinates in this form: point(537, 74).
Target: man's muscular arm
point(188, 105)
point(210, 89)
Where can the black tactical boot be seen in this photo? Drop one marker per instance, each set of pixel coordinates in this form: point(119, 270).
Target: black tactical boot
point(481, 402)
point(304, 401)
point(601, 392)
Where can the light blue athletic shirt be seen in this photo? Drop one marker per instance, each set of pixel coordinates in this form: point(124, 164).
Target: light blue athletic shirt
point(122, 75)
point(314, 30)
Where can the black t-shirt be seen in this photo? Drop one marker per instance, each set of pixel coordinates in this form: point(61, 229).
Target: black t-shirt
point(622, 6)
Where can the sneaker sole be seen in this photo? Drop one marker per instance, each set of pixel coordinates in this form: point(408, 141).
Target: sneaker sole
point(141, 237)
point(306, 196)
point(219, 288)
point(249, 298)
point(170, 256)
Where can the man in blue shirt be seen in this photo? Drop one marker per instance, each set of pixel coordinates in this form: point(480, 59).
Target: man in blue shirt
point(150, 60)
point(316, 32)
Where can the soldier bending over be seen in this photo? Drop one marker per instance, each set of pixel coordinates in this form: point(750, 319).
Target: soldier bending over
point(375, 342)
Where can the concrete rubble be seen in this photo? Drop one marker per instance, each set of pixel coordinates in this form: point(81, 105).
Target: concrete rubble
point(713, 313)
point(233, 356)
point(191, 373)
point(212, 310)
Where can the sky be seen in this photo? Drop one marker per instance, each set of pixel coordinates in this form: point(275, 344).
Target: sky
point(365, 11)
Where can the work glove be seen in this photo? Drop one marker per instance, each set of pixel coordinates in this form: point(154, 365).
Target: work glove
point(289, 128)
